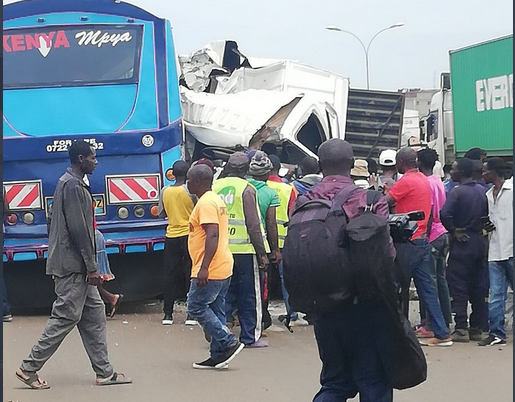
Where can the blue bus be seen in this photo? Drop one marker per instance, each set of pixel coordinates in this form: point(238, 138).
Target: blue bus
point(103, 71)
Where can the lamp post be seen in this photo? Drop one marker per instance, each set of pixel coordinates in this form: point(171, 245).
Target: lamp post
point(365, 48)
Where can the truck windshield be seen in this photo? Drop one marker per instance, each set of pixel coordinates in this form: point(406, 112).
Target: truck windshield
point(56, 56)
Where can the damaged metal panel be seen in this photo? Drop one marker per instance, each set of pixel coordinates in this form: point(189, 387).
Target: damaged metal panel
point(374, 121)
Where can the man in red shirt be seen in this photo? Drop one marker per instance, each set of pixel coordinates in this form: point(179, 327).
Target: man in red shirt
point(412, 193)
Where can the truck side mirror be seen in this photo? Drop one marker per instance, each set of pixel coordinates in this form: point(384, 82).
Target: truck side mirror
point(430, 127)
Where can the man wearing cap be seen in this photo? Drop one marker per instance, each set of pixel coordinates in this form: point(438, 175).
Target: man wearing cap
point(247, 243)
point(388, 162)
point(268, 200)
point(359, 173)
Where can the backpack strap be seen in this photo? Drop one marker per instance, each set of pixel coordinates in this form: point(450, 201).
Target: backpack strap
point(373, 197)
point(342, 197)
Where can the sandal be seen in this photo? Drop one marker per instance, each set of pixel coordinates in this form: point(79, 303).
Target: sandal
point(116, 378)
point(112, 312)
point(32, 379)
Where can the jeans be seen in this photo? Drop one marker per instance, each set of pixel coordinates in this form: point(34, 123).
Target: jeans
point(207, 306)
point(356, 344)
point(501, 275)
point(292, 314)
point(415, 260)
point(439, 251)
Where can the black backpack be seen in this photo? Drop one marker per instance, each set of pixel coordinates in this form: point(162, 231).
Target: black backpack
point(329, 260)
point(312, 255)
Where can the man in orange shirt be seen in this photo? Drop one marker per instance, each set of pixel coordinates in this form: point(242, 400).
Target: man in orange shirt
point(212, 264)
point(176, 203)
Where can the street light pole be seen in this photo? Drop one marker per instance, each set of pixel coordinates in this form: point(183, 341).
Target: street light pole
point(366, 49)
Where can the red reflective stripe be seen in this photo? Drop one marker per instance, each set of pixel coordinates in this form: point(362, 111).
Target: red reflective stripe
point(14, 191)
point(30, 198)
point(136, 187)
point(152, 181)
point(113, 188)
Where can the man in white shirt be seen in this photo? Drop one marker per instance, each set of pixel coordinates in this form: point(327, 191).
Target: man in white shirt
point(500, 253)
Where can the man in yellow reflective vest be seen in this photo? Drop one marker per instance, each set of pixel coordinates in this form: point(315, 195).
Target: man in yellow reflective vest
point(287, 197)
point(249, 248)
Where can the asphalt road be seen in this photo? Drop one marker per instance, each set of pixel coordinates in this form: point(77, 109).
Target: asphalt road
point(159, 359)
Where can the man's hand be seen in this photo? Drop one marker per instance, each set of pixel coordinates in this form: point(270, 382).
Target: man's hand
point(461, 235)
point(202, 278)
point(276, 257)
point(489, 226)
point(94, 278)
point(262, 261)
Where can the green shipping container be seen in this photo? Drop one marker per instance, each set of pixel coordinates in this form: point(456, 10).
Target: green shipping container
point(482, 97)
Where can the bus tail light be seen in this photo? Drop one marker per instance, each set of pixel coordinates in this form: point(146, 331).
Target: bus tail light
point(154, 211)
point(139, 211)
point(28, 218)
point(12, 219)
point(123, 212)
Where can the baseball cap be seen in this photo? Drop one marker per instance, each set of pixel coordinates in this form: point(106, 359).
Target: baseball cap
point(238, 160)
point(388, 157)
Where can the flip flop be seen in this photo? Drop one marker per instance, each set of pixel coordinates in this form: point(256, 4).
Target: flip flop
point(116, 378)
point(33, 380)
point(112, 312)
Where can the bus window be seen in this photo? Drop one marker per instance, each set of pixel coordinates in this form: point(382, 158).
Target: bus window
point(56, 56)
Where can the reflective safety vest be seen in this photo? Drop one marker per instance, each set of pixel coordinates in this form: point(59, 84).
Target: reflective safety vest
point(284, 190)
point(230, 190)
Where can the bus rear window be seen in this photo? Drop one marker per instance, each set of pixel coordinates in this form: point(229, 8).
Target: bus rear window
point(71, 55)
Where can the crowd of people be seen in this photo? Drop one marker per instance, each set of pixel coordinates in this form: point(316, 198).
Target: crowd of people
point(225, 235)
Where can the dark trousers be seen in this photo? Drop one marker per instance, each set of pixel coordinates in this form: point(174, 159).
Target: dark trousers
point(177, 271)
point(467, 275)
point(245, 295)
point(6, 304)
point(354, 344)
point(267, 318)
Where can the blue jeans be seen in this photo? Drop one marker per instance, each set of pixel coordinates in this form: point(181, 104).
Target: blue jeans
point(415, 260)
point(293, 314)
point(501, 274)
point(207, 306)
point(356, 346)
point(439, 251)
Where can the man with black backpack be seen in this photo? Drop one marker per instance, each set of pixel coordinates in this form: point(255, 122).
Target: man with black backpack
point(349, 290)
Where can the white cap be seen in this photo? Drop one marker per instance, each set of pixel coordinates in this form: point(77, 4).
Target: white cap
point(387, 157)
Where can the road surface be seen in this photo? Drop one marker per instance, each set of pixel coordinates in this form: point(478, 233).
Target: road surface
point(159, 359)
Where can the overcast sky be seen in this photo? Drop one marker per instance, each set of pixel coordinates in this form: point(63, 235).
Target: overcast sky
point(412, 56)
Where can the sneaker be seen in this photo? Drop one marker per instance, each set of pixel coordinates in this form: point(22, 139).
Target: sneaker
point(209, 364)
point(422, 332)
point(230, 354)
point(167, 320)
point(460, 335)
point(190, 321)
point(258, 344)
point(299, 322)
point(475, 334)
point(492, 340)
point(8, 317)
point(436, 342)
